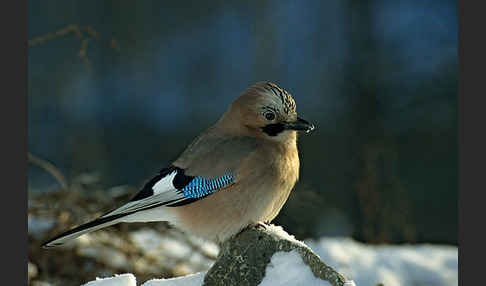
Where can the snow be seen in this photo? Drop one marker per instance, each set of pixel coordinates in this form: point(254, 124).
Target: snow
point(281, 233)
point(118, 280)
point(188, 280)
point(287, 268)
point(391, 265)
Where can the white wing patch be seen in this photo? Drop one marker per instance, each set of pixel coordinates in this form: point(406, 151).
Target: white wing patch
point(164, 191)
point(165, 184)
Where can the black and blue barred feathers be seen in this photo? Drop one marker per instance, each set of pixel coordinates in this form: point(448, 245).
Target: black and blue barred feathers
point(201, 187)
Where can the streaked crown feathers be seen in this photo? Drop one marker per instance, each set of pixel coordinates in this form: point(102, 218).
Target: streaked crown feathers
point(281, 96)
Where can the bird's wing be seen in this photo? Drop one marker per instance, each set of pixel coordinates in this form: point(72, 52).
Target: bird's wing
point(171, 188)
point(209, 164)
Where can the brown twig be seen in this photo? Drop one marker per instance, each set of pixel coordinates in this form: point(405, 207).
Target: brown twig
point(50, 168)
point(76, 29)
point(71, 29)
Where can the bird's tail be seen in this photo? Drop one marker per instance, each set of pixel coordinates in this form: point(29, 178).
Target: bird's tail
point(96, 224)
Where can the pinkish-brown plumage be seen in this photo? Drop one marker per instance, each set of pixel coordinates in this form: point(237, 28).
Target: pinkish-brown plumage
point(255, 140)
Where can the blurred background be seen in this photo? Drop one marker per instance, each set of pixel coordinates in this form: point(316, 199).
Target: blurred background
point(117, 89)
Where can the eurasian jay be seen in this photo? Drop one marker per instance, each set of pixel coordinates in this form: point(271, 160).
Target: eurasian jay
point(237, 173)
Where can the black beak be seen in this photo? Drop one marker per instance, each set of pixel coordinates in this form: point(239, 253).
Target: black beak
point(300, 125)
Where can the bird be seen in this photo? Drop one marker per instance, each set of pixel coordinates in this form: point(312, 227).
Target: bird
point(237, 173)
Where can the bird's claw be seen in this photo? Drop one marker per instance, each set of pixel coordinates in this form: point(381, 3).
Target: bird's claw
point(261, 224)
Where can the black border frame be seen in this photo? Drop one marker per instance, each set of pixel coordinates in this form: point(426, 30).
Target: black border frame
point(13, 22)
point(472, 155)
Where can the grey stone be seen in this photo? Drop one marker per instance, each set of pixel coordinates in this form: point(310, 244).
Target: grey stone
point(243, 259)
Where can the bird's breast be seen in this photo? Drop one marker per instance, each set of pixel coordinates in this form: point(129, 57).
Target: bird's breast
point(269, 183)
point(261, 187)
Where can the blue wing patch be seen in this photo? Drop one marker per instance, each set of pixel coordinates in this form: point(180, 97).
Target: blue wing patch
point(200, 187)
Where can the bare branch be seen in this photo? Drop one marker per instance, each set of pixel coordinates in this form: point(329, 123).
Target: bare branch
point(89, 33)
point(50, 168)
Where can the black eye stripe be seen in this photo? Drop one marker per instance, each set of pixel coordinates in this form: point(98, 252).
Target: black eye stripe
point(273, 129)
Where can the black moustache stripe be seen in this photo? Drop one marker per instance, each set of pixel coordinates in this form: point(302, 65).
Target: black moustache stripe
point(273, 129)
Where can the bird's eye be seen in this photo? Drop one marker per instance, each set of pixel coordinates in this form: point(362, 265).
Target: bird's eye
point(269, 116)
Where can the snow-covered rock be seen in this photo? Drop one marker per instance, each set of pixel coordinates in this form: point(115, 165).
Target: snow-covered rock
point(250, 256)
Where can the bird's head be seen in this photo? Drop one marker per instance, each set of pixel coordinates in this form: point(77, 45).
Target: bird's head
point(266, 110)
